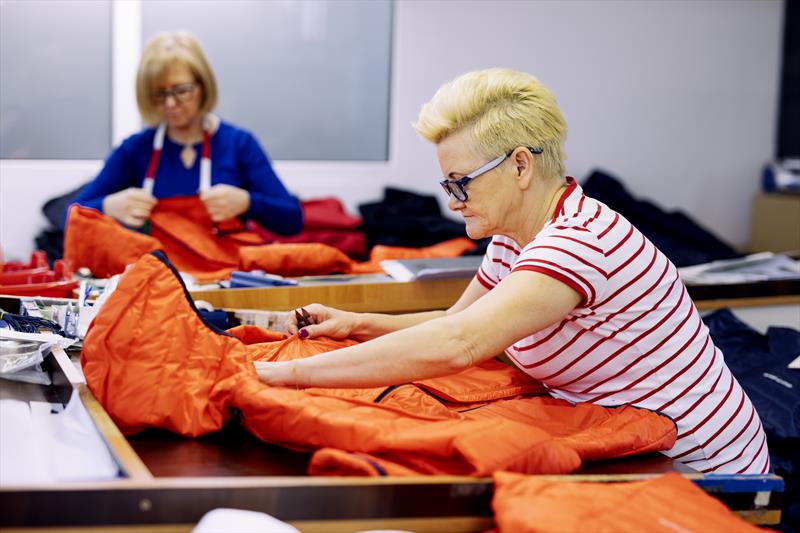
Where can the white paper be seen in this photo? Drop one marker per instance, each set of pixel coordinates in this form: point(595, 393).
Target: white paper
point(763, 266)
point(434, 268)
point(42, 442)
point(224, 520)
point(22, 459)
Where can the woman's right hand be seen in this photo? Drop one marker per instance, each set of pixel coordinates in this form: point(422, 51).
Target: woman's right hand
point(326, 322)
point(131, 206)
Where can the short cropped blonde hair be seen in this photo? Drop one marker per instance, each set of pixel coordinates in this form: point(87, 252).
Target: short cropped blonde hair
point(503, 109)
point(163, 51)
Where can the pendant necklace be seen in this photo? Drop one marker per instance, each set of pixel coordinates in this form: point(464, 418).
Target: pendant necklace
point(188, 155)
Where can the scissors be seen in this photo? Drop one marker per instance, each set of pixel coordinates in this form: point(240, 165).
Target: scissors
point(303, 317)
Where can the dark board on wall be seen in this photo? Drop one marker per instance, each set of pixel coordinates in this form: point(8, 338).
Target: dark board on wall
point(789, 110)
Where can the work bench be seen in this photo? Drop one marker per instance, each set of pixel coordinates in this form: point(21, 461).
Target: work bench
point(166, 482)
point(383, 295)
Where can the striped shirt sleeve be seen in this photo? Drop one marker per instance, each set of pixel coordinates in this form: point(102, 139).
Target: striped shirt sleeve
point(486, 273)
point(500, 255)
point(572, 255)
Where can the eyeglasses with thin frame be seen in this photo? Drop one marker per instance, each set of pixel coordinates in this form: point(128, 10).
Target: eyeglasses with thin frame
point(458, 188)
point(181, 93)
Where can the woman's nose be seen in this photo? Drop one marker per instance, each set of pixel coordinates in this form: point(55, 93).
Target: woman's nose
point(171, 101)
point(453, 203)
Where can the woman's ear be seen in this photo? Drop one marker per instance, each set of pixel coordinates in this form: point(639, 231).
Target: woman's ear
point(523, 162)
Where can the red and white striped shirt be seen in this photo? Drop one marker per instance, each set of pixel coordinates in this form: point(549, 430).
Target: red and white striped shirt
point(636, 338)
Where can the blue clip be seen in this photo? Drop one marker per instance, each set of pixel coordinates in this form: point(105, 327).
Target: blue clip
point(257, 278)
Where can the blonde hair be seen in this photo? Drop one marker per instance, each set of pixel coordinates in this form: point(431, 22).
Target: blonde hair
point(502, 109)
point(160, 53)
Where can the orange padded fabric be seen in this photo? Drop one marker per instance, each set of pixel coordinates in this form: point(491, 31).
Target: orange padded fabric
point(194, 243)
point(179, 226)
point(253, 334)
point(102, 244)
point(182, 228)
point(295, 259)
point(668, 504)
point(450, 248)
point(151, 361)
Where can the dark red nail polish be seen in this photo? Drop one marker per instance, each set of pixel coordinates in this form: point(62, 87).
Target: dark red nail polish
point(302, 334)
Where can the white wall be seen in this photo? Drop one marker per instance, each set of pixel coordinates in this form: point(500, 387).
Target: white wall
point(679, 99)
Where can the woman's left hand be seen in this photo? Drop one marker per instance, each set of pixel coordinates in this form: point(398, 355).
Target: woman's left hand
point(225, 202)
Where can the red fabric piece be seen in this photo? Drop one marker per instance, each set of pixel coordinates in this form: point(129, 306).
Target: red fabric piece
point(668, 504)
point(324, 221)
point(327, 213)
point(151, 361)
point(353, 243)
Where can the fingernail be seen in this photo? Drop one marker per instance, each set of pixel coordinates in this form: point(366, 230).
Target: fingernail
point(302, 334)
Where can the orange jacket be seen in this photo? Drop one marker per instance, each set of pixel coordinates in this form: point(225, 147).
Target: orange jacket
point(182, 228)
point(667, 504)
point(151, 361)
point(102, 244)
point(194, 243)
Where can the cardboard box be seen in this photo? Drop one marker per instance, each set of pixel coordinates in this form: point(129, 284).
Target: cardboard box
point(775, 223)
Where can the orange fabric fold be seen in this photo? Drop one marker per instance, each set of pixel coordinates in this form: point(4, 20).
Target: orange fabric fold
point(194, 243)
point(450, 248)
point(102, 244)
point(295, 259)
point(151, 361)
point(182, 228)
point(667, 504)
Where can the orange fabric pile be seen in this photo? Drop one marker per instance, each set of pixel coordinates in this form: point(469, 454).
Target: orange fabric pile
point(151, 361)
point(196, 245)
point(667, 504)
point(450, 248)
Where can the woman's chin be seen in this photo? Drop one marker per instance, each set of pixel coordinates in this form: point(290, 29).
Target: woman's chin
point(475, 231)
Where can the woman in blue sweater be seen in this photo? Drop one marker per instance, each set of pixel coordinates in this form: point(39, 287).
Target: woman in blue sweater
point(189, 151)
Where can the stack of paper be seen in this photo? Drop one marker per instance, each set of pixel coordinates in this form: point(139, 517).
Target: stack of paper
point(764, 266)
point(413, 269)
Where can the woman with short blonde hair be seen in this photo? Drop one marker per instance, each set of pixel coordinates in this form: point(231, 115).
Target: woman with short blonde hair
point(500, 108)
point(572, 292)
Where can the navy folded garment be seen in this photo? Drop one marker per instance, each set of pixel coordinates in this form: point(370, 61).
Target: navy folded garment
point(678, 236)
point(760, 364)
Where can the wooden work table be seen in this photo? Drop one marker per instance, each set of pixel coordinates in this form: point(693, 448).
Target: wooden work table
point(380, 296)
point(406, 297)
point(166, 482)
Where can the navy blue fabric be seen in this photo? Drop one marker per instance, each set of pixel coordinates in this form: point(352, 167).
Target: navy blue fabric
point(679, 237)
point(760, 364)
point(405, 218)
point(236, 159)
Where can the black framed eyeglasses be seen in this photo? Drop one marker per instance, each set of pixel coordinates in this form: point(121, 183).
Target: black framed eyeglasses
point(181, 93)
point(458, 188)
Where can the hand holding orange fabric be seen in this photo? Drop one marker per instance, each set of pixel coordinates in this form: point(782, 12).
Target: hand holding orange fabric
point(131, 206)
point(225, 202)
